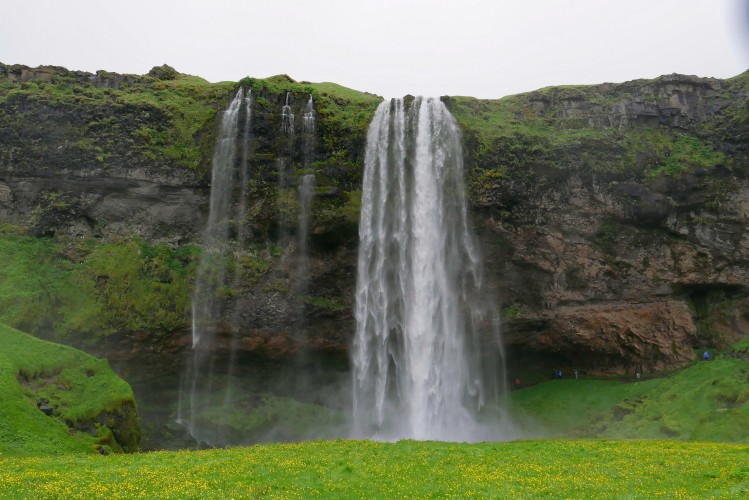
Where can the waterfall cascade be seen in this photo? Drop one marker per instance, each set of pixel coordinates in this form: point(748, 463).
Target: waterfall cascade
point(210, 277)
point(308, 131)
point(287, 119)
point(200, 386)
point(306, 194)
point(426, 353)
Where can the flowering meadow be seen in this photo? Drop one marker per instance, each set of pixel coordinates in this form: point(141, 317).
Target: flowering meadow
point(365, 469)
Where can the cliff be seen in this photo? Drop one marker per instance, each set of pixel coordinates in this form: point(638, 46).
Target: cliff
point(613, 218)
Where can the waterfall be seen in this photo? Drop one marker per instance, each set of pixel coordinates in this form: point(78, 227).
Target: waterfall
point(210, 276)
point(240, 222)
point(287, 119)
point(244, 170)
point(308, 131)
point(426, 354)
point(306, 194)
point(200, 386)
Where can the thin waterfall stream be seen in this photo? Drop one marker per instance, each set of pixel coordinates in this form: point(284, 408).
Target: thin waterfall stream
point(201, 386)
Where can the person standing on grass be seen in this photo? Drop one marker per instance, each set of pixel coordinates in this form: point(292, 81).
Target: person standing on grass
point(706, 356)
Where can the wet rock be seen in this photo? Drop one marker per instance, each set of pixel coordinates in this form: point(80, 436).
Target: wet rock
point(45, 407)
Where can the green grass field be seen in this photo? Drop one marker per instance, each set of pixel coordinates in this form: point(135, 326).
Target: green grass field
point(365, 469)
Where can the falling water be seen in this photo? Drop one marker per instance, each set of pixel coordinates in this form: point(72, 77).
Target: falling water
point(287, 119)
point(308, 131)
point(244, 170)
point(306, 193)
point(199, 382)
point(240, 223)
point(210, 276)
point(426, 353)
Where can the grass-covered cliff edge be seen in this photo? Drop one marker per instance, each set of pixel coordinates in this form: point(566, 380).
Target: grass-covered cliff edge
point(613, 217)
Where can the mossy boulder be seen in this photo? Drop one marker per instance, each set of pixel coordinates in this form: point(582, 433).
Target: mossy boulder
point(163, 72)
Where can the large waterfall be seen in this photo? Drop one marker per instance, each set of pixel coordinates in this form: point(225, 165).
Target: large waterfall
point(426, 353)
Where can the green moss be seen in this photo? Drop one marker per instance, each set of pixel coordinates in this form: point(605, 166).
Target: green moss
point(139, 286)
point(510, 312)
point(332, 212)
point(253, 268)
point(39, 289)
point(659, 151)
point(54, 287)
point(78, 388)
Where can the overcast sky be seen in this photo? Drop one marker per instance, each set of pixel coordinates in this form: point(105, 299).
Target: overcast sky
point(483, 48)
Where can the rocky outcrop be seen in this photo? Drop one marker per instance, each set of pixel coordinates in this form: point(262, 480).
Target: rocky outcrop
point(604, 258)
point(617, 338)
point(676, 101)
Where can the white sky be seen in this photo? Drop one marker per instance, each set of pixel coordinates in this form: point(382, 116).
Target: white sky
point(482, 48)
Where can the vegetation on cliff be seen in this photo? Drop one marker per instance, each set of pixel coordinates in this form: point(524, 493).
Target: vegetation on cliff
point(636, 131)
point(158, 127)
point(56, 399)
point(105, 120)
point(80, 290)
point(162, 119)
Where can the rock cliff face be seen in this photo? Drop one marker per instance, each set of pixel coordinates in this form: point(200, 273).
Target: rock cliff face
point(616, 219)
point(613, 217)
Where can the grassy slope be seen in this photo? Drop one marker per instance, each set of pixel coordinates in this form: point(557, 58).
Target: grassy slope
point(77, 385)
point(708, 400)
point(347, 469)
point(68, 287)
